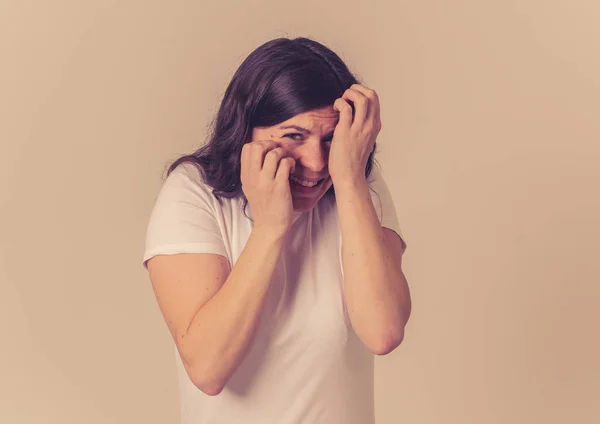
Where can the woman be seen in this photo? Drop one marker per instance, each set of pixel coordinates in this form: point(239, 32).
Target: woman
point(274, 319)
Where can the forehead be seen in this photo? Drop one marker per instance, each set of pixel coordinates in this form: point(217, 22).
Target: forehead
point(325, 116)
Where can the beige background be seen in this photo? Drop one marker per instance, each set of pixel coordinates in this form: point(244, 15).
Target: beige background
point(490, 146)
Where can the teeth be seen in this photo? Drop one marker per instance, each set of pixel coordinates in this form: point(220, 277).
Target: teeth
point(303, 182)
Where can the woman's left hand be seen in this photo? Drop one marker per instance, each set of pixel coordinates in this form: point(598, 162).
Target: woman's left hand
point(354, 136)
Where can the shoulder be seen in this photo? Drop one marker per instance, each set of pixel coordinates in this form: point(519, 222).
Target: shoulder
point(187, 180)
point(187, 172)
point(184, 196)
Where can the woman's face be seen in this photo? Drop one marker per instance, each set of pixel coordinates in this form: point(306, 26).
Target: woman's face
point(306, 137)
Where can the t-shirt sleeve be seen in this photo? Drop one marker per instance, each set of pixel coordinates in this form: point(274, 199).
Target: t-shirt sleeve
point(382, 200)
point(184, 217)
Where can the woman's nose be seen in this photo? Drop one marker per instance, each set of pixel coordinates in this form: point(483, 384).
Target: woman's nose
point(314, 156)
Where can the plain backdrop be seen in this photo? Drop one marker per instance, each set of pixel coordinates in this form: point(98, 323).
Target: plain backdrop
point(490, 146)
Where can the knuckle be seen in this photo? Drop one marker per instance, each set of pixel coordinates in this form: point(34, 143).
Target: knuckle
point(278, 151)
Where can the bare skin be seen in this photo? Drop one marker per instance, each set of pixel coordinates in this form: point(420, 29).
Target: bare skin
point(309, 150)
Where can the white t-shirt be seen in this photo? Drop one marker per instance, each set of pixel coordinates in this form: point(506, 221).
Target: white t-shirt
point(306, 364)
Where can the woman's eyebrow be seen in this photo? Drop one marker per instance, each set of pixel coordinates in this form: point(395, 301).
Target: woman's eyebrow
point(296, 127)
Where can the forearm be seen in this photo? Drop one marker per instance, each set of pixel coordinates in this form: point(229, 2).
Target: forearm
point(376, 289)
point(223, 329)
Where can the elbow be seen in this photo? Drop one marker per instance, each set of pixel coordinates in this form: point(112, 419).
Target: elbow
point(389, 343)
point(203, 380)
point(210, 387)
point(201, 373)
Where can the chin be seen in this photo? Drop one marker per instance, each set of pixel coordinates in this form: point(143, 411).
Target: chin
point(304, 205)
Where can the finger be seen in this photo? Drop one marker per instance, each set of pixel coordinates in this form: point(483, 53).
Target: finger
point(272, 158)
point(286, 167)
point(258, 150)
point(268, 143)
point(361, 106)
point(345, 111)
point(373, 99)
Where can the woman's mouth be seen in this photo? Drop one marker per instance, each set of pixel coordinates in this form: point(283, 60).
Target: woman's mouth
point(304, 182)
point(305, 186)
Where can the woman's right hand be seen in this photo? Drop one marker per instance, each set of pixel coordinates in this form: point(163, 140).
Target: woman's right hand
point(265, 173)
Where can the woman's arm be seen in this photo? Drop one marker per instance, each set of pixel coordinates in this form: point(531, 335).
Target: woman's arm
point(377, 292)
point(212, 313)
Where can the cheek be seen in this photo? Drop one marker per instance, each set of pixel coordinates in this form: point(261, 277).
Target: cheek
point(256, 134)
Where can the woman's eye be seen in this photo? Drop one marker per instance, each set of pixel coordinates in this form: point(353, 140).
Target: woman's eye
point(290, 135)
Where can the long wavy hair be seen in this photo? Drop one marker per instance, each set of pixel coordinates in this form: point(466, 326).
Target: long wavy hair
point(280, 79)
